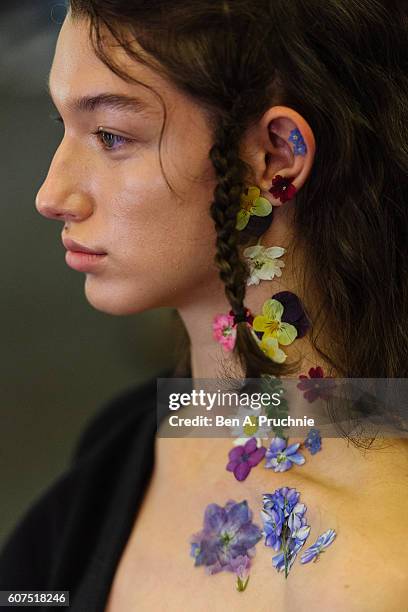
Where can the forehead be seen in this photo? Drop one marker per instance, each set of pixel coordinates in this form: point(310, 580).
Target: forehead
point(76, 70)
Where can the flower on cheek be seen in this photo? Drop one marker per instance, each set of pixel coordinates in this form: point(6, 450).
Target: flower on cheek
point(263, 263)
point(252, 204)
point(270, 323)
point(243, 458)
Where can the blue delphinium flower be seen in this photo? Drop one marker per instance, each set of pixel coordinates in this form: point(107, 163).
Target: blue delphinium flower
point(313, 441)
point(323, 541)
point(285, 527)
point(228, 533)
point(280, 457)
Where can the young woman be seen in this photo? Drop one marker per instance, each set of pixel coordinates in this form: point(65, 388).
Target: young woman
point(244, 162)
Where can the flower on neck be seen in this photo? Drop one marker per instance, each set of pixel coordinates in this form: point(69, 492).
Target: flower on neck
point(224, 331)
point(317, 385)
point(271, 324)
point(263, 263)
point(313, 441)
point(243, 458)
point(280, 457)
point(252, 203)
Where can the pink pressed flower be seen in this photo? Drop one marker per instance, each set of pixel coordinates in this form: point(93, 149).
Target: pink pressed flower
point(224, 331)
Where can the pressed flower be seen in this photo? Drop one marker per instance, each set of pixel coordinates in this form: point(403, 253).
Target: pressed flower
point(271, 325)
point(248, 427)
point(285, 527)
point(228, 533)
point(273, 520)
point(293, 311)
point(282, 188)
point(313, 441)
point(299, 147)
point(280, 457)
point(252, 203)
point(317, 385)
point(263, 263)
point(243, 458)
point(270, 346)
point(224, 331)
point(323, 541)
point(240, 566)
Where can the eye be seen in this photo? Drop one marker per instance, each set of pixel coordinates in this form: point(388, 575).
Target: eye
point(109, 140)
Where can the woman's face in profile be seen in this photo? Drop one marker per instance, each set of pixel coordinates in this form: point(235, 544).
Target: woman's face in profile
point(109, 189)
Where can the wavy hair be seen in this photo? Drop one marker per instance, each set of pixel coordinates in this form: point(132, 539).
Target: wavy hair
point(342, 65)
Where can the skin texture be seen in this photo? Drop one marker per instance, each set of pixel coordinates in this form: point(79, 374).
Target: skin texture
point(160, 245)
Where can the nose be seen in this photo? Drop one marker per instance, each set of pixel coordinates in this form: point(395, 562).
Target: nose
point(63, 196)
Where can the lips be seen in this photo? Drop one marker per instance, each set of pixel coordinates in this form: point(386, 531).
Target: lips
point(71, 245)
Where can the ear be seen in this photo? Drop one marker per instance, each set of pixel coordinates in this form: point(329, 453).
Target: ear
point(282, 142)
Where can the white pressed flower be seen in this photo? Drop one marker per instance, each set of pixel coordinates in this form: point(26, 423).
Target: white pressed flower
point(263, 263)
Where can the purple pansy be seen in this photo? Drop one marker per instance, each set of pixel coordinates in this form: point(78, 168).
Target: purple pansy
point(228, 533)
point(323, 541)
point(280, 457)
point(293, 311)
point(243, 458)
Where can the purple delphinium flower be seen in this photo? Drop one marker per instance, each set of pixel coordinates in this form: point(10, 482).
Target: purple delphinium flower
point(293, 311)
point(243, 458)
point(313, 441)
point(227, 534)
point(240, 566)
point(285, 527)
point(323, 541)
point(280, 457)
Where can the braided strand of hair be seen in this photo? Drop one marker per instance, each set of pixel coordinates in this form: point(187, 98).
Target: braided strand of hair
point(231, 172)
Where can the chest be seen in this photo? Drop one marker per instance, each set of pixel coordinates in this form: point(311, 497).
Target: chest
point(363, 570)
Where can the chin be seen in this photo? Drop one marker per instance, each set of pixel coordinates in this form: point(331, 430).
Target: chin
point(113, 301)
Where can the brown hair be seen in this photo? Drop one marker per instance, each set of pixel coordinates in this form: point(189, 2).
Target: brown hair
point(342, 65)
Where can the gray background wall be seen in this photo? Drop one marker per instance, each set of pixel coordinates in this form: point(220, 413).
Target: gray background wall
point(60, 359)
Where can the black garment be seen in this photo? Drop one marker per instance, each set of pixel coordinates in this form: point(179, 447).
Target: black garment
point(72, 537)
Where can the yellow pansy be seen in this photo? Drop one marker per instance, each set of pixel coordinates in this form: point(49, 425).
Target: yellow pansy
point(271, 325)
point(252, 203)
point(270, 347)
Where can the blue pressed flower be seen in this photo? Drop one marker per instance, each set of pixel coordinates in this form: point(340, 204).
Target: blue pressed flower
point(278, 561)
point(285, 527)
point(280, 457)
point(323, 541)
point(283, 498)
point(228, 533)
point(273, 523)
point(313, 441)
point(299, 145)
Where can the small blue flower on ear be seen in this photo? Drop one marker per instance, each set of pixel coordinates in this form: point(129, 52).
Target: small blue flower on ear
point(299, 144)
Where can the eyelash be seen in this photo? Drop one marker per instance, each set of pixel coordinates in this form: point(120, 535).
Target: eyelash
point(100, 132)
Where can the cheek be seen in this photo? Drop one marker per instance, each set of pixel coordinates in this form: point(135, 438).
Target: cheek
point(159, 243)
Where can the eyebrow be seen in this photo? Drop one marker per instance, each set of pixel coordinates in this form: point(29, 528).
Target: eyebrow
point(106, 100)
